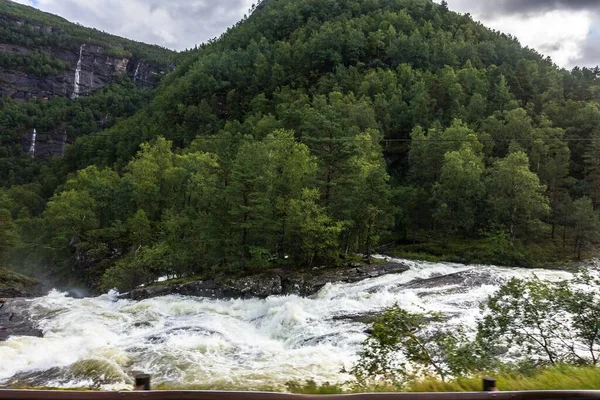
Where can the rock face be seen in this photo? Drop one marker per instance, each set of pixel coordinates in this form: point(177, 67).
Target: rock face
point(15, 321)
point(17, 285)
point(274, 282)
point(89, 68)
point(44, 145)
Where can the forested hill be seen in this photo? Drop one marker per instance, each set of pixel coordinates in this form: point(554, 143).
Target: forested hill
point(318, 129)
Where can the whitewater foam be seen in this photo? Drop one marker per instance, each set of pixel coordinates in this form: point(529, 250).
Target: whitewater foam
point(242, 344)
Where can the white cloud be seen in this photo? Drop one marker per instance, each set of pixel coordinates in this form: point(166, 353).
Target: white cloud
point(558, 34)
point(176, 24)
point(557, 28)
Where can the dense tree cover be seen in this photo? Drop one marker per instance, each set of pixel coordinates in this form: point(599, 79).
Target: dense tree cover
point(59, 116)
point(38, 63)
point(28, 27)
point(315, 129)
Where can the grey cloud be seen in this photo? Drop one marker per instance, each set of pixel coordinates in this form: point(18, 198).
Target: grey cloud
point(550, 47)
point(490, 9)
point(590, 52)
point(176, 24)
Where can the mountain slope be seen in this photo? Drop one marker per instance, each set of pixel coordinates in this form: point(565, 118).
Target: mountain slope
point(42, 55)
point(45, 62)
point(314, 130)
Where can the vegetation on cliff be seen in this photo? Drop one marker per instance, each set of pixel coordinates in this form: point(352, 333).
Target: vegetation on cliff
point(314, 130)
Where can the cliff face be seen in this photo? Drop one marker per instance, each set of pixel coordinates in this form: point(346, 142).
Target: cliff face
point(45, 57)
point(88, 69)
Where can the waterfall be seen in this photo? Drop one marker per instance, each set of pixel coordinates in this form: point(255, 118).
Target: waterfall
point(64, 144)
point(236, 344)
point(33, 139)
point(76, 88)
point(137, 70)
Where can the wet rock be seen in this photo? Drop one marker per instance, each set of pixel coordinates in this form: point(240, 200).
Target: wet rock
point(13, 284)
point(309, 283)
point(366, 318)
point(469, 278)
point(261, 285)
point(15, 320)
point(274, 282)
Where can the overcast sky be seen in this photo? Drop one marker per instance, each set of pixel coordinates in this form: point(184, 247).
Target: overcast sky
point(566, 30)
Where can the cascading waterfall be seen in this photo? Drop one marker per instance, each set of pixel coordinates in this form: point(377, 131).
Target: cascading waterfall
point(136, 73)
point(63, 144)
point(234, 344)
point(33, 142)
point(76, 82)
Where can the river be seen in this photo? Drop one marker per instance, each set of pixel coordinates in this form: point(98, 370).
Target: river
point(233, 344)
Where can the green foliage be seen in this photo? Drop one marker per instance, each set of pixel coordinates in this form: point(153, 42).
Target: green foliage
point(307, 133)
point(516, 200)
point(552, 323)
point(561, 377)
point(403, 346)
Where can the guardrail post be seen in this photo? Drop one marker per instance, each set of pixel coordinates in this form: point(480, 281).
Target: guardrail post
point(489, 385)
point(142, 382)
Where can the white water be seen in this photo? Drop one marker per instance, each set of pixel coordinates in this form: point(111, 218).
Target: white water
point(137, 70)
point(33, 140)
point(76, 81)
point(237, 343)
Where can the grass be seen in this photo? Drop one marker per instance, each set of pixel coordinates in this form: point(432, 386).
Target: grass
point(563, 377)
point(553, 378)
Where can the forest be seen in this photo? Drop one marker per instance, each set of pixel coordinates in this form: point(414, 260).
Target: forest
point(309, 133)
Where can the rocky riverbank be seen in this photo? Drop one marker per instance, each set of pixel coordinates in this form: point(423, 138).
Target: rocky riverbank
point(15, 319)
point(271, 283)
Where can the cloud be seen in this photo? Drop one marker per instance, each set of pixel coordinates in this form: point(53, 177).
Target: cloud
point(561, 29)
point(176, 24)
point(590, 53)
point(493, 8)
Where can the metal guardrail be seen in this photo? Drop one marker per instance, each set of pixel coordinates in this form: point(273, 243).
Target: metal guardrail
point(142, 392)
point(210, 395)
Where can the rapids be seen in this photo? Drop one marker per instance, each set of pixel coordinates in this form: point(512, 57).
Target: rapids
point(233, 344)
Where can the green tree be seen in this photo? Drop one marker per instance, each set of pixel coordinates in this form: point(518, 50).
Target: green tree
point(315, 236)
point(586, 225)
point(403, 345)
point(460, 190)
point(516, 198)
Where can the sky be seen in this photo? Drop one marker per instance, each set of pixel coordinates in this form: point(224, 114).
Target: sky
point(566, 30)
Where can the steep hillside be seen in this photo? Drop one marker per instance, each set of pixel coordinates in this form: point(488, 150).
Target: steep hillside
point(43, 56)
point(314, 130)
point(59, 81)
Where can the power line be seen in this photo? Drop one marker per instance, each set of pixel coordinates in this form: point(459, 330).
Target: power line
point(352, 139)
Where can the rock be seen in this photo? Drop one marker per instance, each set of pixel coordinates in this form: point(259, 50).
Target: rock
point(15, 320)
point(274, 282)
point(13, 284)
point(261, 285)
point(367, 318)
point(469, 278)
point(88, 69)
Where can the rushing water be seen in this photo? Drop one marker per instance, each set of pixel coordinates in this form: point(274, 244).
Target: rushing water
point(76, 80)
point(33, 142)
point(233, 343)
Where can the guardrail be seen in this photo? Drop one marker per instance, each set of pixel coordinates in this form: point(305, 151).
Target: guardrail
point(142, 392)
point(208, 395)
